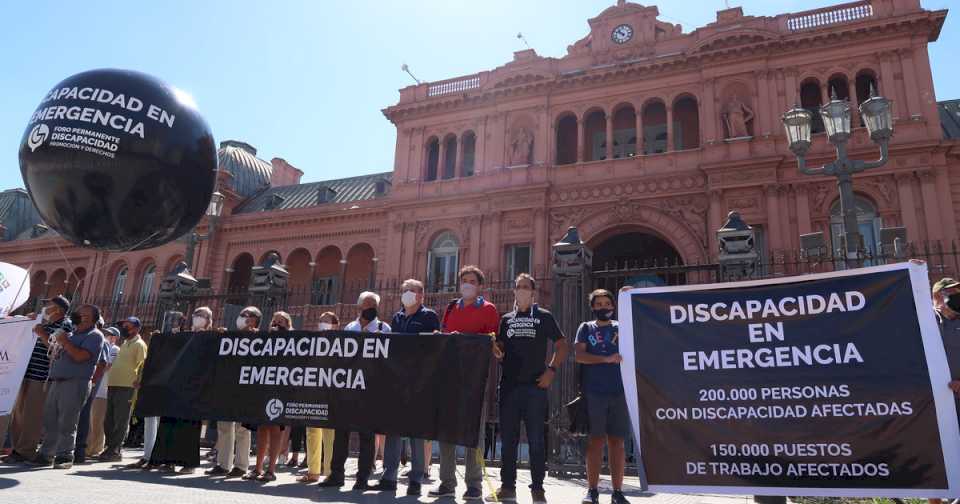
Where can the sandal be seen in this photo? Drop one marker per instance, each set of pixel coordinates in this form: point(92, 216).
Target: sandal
point(309, 478)
point(267, 477)
point(252, 475)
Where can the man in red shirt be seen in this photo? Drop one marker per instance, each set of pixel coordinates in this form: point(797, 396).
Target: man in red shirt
point(471, 314)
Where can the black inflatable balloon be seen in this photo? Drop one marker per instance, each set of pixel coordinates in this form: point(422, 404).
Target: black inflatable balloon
point(118, 160)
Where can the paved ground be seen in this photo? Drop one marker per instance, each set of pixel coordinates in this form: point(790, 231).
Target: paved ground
point(104, 483)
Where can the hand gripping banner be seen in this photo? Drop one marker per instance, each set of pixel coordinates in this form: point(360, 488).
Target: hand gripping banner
point(426, 386)
point(821, 385)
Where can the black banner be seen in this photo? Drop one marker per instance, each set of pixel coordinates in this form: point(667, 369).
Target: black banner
point(427, 386)
point(794, 387)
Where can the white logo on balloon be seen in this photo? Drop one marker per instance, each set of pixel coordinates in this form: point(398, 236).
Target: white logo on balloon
point(38, 134)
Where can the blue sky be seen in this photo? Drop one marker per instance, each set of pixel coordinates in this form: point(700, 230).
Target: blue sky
point(306, 80)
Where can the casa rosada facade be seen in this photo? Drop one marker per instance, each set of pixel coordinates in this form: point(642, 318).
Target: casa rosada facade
point(643, 136)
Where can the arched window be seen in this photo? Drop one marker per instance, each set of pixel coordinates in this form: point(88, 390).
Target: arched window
point(449, 157)
point(443, 263)
point(868, 224)
point(146, 283)
point(433, 159)
point(567, 141)
point(654, 127)
point(119, 282)
point(686, 123)
point(469, 153)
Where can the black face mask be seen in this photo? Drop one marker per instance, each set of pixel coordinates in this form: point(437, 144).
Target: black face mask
point(75, 318)
point(603, 315)
point(123, 331)
point(369, 314)
point(952, 302)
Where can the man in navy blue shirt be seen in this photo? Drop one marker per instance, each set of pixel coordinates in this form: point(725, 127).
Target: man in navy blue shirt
point(598, 349)
point(413, 318)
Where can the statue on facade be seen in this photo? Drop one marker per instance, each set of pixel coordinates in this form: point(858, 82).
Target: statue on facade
point(521, 147)
point(736, 116)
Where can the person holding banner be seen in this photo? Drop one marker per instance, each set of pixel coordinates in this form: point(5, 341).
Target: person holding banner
point(413, 318)
point(522, 340)
point(233, 439)
point(124, 373)
point(319, 451)
point(470, 314)
point(25, 419)
point(367, 321)
point(597, 349)
point(68, 385)
point(98, 410)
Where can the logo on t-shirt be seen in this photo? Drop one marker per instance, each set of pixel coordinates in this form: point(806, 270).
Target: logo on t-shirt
point(522, 327)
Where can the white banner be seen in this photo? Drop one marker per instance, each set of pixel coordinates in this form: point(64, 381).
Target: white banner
point(14, 287)
point(16, 344)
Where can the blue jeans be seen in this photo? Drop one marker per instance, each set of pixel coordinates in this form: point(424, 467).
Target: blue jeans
point(391, 459)
point(526, 403)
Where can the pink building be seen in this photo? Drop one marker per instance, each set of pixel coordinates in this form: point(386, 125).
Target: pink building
point(643, 136)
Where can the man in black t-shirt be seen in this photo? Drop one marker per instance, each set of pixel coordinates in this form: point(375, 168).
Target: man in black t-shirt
point(522, 345)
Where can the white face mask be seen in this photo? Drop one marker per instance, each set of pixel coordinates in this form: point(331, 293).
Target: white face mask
point(468, 290)
point(241, 322)
point(326, 326)
point(524, 296)
point(408, 298)
point(199, 323)
point(44, 314)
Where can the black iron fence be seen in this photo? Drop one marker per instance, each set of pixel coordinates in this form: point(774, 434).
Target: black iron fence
point(305, 304)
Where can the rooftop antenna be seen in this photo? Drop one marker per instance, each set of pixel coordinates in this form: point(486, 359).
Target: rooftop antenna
point(405, 68)
point(524, 39)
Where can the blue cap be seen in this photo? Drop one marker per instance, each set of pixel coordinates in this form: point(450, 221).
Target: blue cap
point(135, 321)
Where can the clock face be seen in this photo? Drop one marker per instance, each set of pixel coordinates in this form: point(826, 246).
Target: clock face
point(622, 34)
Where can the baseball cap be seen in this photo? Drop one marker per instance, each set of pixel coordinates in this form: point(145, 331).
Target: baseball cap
point(113, 331)
point(135, 321)
point(59, 301)
point(945, 283)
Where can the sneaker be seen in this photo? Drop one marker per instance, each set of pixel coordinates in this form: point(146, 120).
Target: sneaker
point(133, 465)
point(216, 471)
point(502, 494)
point(618, 498)
point(385, 486)
point(473, 494)
point(41, 460)
point(267, 477)
point(252, 475)
point(110, 457)
point(361, 485)
point(592, 497)
point(414, 489)
point(443, 491)
point(14, 458)
point(62, 463)
point(236, 472)
point(538, 495)
point(331, 482)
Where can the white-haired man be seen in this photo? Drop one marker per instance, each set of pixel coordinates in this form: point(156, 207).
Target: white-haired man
point(367, 321)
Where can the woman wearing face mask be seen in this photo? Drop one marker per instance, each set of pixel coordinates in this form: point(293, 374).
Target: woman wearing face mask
point(233, 439)
point(270, 437)
point(320, 441)
point(178, 441)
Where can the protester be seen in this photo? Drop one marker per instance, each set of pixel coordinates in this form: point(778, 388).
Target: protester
point(367, 321)
point(522, 343)
point(124, 372)
point(319, 452)
point(269, 435)
point(72, 363)
point(25, 425)
point(233, 439)
point(104, 360)
point(98, 409)
point(413, 318)
point(178, 440)
point(597, 348)
point(470, 314)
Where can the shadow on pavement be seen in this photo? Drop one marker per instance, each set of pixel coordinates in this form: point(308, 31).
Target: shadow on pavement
point(8, 483)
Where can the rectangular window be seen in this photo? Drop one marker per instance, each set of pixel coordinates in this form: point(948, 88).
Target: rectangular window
point(517, 260)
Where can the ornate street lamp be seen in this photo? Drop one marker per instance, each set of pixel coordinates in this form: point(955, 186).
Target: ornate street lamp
point(877, 116)
point(214, 210)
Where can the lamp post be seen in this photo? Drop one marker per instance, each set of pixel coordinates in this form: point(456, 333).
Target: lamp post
point(213, 212)
point(878, 118)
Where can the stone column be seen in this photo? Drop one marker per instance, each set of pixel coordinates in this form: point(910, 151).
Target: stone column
point(441, 158)
point(709, 120)
point(908, 206)
point(496, 219)
point(714, 221)
point(887, 85)
point(803, 209)
point(458, 165)
point(760, 117)
point(639, 119)
point(854, 106)
point(479, 153)
point(669, 147)
point(909, 73)
point(609, 152)
point(931, 209)
point(790, 88)
point(581, 141)
point(540, 240)
point(773, 217)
